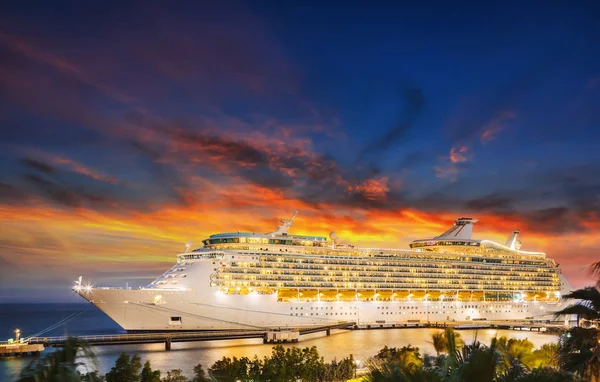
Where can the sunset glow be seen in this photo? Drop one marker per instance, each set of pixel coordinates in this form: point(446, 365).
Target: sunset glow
point(119, 144)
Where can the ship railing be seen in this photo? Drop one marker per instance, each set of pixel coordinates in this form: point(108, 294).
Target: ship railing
point(382, 281)
point(424, 263)
point(397, 287)
point(404, 269)
point(547, 277)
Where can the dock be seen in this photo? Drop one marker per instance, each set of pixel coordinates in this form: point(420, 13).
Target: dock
point(20, 349)
point(278, 335)
point(544, 327)
point(34, 345)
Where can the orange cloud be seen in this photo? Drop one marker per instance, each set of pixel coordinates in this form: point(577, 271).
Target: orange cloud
point(372, 189)
point(496, 125)
point(124, 245)
point(83, 170)
point(458, 154)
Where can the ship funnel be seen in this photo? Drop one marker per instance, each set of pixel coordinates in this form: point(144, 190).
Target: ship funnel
point(285, 225)
point(462, 229)
point(512, 240)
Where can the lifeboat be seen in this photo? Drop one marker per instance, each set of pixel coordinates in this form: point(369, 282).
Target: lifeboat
point(464, 295)
point(309, 294)
point(535, 296)
point(434, 295)
point(287, 294)
point(384, 295)
point(346, 295)
point(401, 294)
point(329, 295)
point(418, 294)
point(477, 296)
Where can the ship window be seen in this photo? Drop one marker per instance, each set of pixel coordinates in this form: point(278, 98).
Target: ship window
point(175, 318)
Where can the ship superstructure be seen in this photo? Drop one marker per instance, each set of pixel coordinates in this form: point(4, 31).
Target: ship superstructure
point(240, 280)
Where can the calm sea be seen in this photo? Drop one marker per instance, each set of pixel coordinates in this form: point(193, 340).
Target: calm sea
point(33, 318)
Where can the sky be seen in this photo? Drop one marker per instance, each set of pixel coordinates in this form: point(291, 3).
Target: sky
point(127, 130)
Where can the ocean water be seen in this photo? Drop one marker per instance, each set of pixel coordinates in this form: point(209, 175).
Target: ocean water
point(87, 320)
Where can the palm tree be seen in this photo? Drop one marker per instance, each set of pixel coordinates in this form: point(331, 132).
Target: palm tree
point(579, 348)
point(547, 374)
point(439, 342)
point(479, 363)
point(546, 356)
point(402, 365)
point(579, 352)
point(588, 306)
point(515, 354)
point(61, 365)
point(595, 272)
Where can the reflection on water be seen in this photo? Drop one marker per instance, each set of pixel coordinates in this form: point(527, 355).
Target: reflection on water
point(362, 344)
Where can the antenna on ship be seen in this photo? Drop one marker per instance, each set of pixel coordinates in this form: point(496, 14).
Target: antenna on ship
point(188, 245)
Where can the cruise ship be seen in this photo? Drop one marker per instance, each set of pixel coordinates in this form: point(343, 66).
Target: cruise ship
point(245, 280)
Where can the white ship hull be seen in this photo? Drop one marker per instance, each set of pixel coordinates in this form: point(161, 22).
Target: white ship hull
point(245, 281)
point(135, 310)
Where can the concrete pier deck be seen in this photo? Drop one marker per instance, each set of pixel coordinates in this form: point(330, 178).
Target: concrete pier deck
point(20, 349)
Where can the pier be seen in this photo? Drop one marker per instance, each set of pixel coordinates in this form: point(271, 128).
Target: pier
point(35, 345)
point(20, 349)
point(267, 335)
point(525, 325)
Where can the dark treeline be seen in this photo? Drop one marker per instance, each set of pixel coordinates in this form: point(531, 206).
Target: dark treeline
point(291, 364)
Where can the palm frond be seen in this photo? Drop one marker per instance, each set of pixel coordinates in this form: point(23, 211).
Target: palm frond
point(595, 272)
point(582, 310)
point(587, 293)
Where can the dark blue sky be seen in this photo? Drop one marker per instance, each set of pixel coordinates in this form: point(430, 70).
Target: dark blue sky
point(350, 111)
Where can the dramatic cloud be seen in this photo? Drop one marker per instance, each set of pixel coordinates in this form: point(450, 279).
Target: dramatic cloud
point(372, 189)
point(121, 141)
point(458, 154)
point(83, 170)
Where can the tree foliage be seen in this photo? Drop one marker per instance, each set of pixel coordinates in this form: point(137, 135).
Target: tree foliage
point(289, 364)
point(503, 360)
point(174, 376)
point(149, 375)
point(62, 365)
point(579, 352)
point(200, 374)
point(126, 369)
